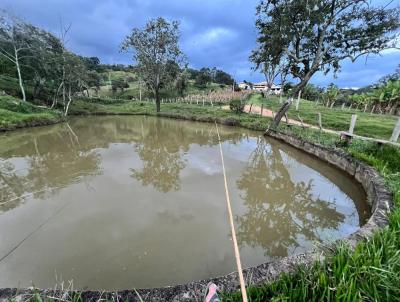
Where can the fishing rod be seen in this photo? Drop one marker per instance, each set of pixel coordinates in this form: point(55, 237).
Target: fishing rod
point(235, 245)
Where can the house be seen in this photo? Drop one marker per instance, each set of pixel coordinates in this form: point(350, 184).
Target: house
point(263, 86)
point(245, 86)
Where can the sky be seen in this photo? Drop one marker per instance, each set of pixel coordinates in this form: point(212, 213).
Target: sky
point(214, 33)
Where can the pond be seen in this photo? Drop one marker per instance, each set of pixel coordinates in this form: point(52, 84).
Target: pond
point(138, 202)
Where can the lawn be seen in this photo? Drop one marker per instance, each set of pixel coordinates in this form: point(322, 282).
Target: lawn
point(369, 125)
point(16, 114)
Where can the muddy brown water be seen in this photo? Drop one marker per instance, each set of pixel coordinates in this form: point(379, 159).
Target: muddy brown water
point(134, 202)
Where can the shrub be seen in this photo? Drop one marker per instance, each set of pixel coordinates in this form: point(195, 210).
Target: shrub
point(236, 106)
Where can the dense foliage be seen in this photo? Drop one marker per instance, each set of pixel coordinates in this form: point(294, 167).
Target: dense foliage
point(382, 99)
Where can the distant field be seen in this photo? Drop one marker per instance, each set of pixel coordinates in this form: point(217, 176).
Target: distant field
point(370, 125)
point(133, 90)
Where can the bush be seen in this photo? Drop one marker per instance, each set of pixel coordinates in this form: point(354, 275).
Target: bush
point(236, 106)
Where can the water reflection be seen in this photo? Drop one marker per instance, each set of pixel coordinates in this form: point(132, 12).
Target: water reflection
point(160, 150)
point(39, 162)
point(40, 166)
point(139, 201)
point(162, 147)
point(280, 215)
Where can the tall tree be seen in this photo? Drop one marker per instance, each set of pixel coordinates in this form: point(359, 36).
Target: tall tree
point(269, 60)
point(155, 49)
point(317, 35)
point(15, 43)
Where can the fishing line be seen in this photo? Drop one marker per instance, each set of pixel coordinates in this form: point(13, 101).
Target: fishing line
point(235, 245)
point(33, 232)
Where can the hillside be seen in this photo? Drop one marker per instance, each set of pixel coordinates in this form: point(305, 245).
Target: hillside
point(132, 90)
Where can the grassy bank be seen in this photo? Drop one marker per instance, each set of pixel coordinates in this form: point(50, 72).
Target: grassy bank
point(15, 114)
point(371, 272)
point(174, 110)
point(370, 125)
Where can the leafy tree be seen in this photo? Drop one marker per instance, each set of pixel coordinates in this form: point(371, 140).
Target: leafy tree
point(317, 35)
point(16, 43)
point(118, 84)
point(91, 63)
point(331, 95)
point(203, 77)
point(269, 59)
point(391, 77)
point(312, 92)
point(193, 73)
point(94, 80)
point(181, 82)
point(155, 47)
point(75, 79)
point(221, 77)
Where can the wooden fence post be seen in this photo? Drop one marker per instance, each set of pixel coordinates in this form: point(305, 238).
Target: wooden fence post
point(319, 120)
point(396, 132)
point(262, 109)
point(251, 106)
point(352, 123)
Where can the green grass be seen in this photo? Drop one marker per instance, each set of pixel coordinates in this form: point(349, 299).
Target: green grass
point(370, 125)
point(16, 114)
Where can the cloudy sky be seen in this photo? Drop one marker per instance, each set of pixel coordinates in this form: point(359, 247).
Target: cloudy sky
point(218, 33)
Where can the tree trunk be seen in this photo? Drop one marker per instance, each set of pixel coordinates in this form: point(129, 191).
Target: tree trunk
point(158, 103)
point(285, 107)
point(68, 103)
point(21, 85)
point(281, 113)
point(56, 95)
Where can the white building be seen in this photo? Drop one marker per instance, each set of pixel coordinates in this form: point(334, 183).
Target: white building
point(263, 86)
point(245, 86)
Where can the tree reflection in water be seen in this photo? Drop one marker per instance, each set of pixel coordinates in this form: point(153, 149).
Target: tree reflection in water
point(280, 215)
point(162, 146)
point(160, 151)
point(49, 163)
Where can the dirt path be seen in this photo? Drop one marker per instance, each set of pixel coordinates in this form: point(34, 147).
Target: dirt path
point(255, 109)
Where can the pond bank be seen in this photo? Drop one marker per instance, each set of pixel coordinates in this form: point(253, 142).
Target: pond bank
point(16, 115)
point(271, 271)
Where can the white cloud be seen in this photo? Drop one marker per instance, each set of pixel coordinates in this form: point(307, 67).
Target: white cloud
point(213, 36)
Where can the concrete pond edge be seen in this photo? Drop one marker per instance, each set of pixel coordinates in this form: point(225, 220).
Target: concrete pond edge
point(379, 198)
